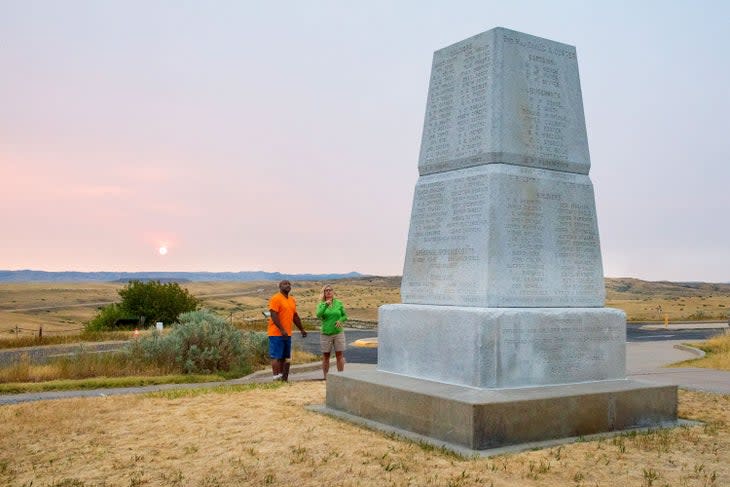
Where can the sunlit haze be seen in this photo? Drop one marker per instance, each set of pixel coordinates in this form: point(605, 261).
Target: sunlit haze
point(284, 136)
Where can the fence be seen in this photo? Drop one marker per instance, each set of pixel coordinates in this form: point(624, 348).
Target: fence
point(40, 332)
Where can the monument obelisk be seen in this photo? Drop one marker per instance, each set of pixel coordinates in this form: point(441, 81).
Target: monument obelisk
point(502, 336)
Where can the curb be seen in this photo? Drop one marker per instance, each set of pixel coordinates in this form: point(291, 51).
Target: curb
point(694, 351)
point(685, 326)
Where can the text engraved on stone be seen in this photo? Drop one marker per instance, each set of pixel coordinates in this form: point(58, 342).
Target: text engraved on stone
point(456, 113)
point(562, 345)
point(544, 111)
point(446, 219)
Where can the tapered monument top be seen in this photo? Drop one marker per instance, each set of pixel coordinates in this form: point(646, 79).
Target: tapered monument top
point(504, 97)
point(504, 212)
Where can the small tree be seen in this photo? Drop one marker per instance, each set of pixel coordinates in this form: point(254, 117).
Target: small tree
point(157, 301)
point(153, 300)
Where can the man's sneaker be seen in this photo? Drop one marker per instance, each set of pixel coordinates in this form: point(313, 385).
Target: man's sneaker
point(278, 377)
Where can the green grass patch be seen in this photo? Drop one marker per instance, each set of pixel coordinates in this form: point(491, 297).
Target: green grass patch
point(105, 382)
point(220, 389)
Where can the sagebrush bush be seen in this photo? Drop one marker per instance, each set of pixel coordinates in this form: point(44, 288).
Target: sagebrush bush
point(202, 343)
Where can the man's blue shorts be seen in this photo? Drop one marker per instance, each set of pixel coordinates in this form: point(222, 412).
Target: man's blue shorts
point(279, 347)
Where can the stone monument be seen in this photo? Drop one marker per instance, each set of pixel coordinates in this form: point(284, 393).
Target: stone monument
point(502, 337)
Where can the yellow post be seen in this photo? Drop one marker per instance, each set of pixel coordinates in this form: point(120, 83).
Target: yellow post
point(666, 320)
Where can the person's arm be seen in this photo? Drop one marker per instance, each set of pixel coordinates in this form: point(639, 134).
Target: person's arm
point(343, 315)
point(298, 322)
point(277, 322)
point(320, 309)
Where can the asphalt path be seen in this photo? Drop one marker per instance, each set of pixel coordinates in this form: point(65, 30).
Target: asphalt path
point(635, 333)
point(361, 355)
point(353, 354)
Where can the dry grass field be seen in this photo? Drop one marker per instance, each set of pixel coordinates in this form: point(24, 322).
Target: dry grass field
point(64, 308)
point(650, 301)
point(266, 436)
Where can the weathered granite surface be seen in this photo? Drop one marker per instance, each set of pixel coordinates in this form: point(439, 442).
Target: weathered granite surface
point(504, 97)
point(502, 347)
point(504, 236)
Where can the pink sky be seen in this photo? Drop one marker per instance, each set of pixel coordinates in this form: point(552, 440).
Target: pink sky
point(285, 136)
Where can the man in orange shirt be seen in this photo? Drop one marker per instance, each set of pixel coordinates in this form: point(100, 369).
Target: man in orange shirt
point(283, 309)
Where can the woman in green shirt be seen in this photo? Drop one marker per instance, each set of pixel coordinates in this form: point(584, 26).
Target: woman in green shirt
point(331, 312)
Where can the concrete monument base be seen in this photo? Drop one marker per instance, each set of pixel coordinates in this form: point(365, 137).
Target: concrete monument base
point(480, 419)
point(502, 347)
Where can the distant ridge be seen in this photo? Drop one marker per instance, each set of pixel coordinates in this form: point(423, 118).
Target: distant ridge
point(72, 276)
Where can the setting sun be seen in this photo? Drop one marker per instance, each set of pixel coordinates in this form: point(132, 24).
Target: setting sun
point(163, 250)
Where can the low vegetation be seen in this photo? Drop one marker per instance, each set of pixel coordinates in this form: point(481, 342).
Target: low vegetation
point(65, 339)
point(717, 350)
point(202, 346)
point(201, 342)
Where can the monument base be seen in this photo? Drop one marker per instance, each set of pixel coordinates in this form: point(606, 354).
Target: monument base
point(502, 347)
point(480, 419)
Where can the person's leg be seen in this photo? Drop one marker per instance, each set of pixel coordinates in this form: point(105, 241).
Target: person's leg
point(285, 364)
point(276, 352)
point(275, 366)
point(340, 361)
point(325, 364)
point(339, 343)
point(325, 346)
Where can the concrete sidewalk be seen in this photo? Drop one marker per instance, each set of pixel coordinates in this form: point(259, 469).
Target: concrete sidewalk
point(647, 361)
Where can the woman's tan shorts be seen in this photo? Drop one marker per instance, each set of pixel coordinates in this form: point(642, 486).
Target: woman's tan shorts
point(326, 342)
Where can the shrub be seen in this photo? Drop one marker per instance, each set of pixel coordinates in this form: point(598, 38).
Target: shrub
point(203, 342)
point(153, 300)
point(157, 301)
point(106, 318)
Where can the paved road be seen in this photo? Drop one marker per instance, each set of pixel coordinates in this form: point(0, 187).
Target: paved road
point(360, 355)
point(633, 334)
point(688, 332)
